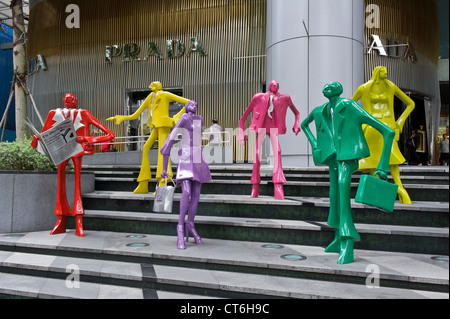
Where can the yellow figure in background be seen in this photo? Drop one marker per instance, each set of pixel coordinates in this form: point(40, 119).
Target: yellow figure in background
point(157, 104)
point(377, 97)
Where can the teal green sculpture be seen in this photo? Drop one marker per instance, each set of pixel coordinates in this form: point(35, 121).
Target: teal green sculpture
point(340, 144)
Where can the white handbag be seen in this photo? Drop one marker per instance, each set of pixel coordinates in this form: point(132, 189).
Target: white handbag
point(163, 201)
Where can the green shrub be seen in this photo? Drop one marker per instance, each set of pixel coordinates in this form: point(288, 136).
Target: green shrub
point(20, 156)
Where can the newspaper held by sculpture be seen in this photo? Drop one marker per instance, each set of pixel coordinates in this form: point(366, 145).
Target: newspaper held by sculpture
point(58, 143)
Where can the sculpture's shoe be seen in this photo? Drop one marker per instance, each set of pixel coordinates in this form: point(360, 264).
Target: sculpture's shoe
point(60, 226)
point(190, 229)
point(180, 237)
point(346, 254)
point(278, 191)
point(335, 246)
point(79, 226)
point(403, 196)
point(255, 191)
point(142, 188)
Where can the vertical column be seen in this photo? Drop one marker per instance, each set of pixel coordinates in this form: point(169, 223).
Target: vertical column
point(311, 43)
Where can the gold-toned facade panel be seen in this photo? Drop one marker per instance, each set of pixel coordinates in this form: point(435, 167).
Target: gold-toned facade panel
point(403, 21)
point(403, 35)
point(124, 46)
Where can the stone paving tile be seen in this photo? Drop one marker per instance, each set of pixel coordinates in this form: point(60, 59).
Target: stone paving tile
point(89, 267)
point(250, 283)
point(21, 285)
point(121, 270)
point(65, 289)
point(40, 239)
point(318, 289)
point(181, 296)
point(93, 241)
point(30, 261)
point(117, 243)
point(4, 255)
point(416, 270)
point(116, 292)
point(188, 277)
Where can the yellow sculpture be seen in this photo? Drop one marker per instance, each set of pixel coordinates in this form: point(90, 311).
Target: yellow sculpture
point(157, 104)
point(377, 97)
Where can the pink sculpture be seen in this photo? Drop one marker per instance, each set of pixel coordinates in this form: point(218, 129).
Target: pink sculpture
point(82, 119)
point(269, 119)
point(192, 170)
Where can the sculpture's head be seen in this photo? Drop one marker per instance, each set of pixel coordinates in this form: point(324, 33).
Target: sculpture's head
point(70, 101)
point(191, 107)
point(379, 73)
point(274, 86)
point(332, 89)
point(156, 86)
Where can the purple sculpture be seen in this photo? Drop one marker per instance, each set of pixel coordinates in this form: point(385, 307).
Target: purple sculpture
point(192, 170)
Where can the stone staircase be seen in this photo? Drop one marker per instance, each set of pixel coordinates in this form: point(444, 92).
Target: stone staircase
point(254, 248)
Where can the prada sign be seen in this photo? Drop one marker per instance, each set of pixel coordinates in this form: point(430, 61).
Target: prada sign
point(394, 49)
point(36, 63)
point(175, 48)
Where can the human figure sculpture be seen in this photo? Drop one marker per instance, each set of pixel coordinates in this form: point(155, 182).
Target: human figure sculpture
point(339, 144)
point(157, 104)
point(269, 119)
point(192, 170)
point(377, 97)
point(82, 119)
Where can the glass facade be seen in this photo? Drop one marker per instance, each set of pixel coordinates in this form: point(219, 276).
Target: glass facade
point(222, 52)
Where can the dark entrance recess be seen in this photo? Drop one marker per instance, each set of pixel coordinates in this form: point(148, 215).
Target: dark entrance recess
point(139, 127)
point(416, 121)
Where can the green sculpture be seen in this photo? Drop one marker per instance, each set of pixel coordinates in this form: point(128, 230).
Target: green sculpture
point(340, 143)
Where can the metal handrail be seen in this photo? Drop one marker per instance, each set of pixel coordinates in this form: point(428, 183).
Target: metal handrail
point(144, 138)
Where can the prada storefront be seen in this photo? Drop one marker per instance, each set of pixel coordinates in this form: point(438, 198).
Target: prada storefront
point(221, 52)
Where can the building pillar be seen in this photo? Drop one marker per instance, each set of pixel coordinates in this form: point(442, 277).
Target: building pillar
point(311, 43)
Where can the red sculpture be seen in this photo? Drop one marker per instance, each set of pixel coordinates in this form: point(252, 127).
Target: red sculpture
point(82, 120)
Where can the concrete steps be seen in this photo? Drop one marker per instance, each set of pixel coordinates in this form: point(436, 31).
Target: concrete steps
point(109, 267)
point(300, 176)
point(314, 232)
point(421, 214)
point(254, 248)
point(423, 184)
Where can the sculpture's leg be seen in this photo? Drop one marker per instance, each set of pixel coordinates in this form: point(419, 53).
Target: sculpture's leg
point(278, 177)
point(186, 190)
point(145, 174)
point(78, 210)
point(403, 195)
point(256, 178)
point(190, 228)
point(163, 134)
point(333, 215)
point(62, 208)
point(347, 230)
